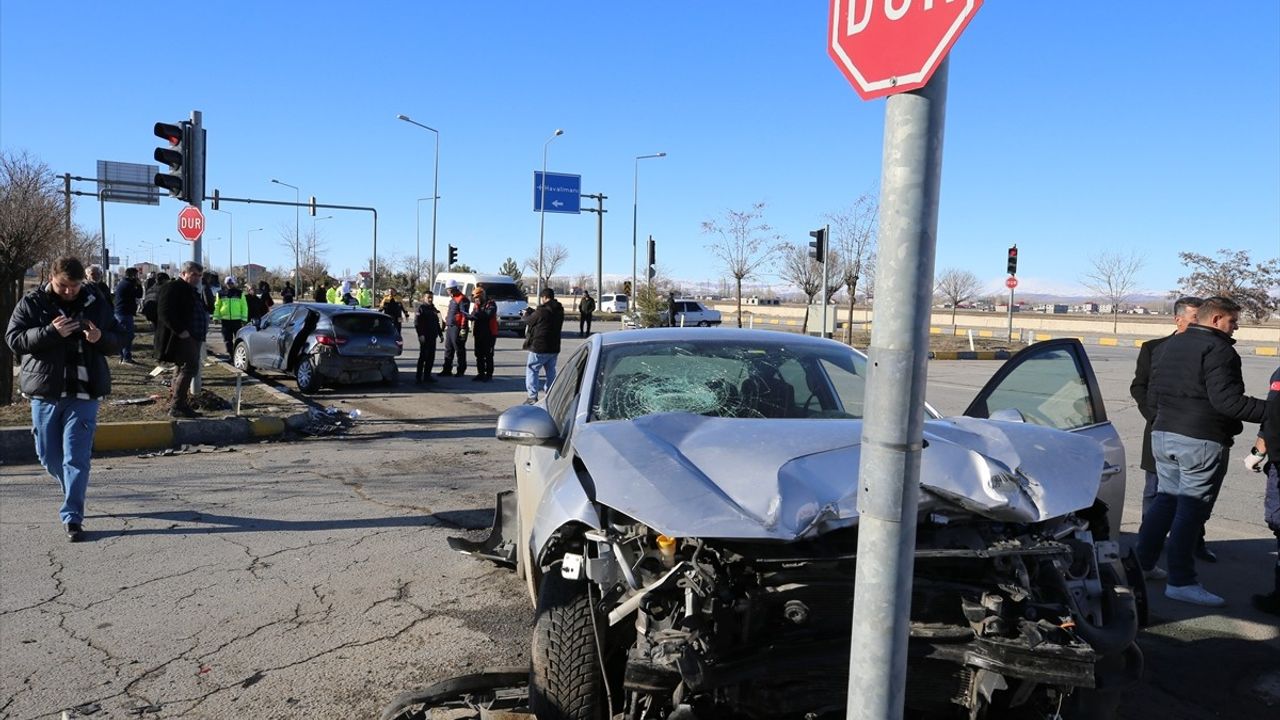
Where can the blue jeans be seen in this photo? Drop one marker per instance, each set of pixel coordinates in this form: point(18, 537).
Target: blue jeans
point(63, 430)
point(126, 323)
point(539, 361)
point(1190, 473)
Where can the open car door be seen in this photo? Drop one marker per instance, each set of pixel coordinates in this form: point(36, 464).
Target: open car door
point(1052, 384)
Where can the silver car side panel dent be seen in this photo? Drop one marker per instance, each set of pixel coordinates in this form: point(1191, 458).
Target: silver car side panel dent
point(564, 502)
point(694, 476)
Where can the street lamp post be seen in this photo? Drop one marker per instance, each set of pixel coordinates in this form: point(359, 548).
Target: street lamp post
point(297, 241)
point(417, 269)
point(542, 206)
point(231, 242)
point(248, 255)
point(435, 198)
point(635, 203)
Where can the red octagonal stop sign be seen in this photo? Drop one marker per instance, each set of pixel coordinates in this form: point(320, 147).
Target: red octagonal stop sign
point(191, 223)
point(890, 46)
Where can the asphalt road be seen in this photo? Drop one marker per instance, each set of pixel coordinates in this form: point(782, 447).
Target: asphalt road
point(311, 578)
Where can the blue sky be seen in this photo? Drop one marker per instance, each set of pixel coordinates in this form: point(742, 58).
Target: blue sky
point(1072, 128)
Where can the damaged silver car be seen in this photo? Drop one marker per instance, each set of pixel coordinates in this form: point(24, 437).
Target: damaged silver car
point(685, 518)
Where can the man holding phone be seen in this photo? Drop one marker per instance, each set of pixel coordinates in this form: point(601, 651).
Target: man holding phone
point(65, 331)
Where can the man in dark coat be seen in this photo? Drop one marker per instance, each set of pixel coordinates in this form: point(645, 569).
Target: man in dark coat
point(183, 324)
point(484, 325)
point(1184, 314)
point(455, 333)
point(1197, 390)
point(287, 293)
point(542, 340)
point(426, 323)
point(128, 290)
point(64, 331)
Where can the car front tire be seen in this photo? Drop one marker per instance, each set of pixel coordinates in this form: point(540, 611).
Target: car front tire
point(240, 357)
point(564, 676)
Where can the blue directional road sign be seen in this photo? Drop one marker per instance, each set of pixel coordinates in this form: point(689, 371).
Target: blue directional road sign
point(563, 193)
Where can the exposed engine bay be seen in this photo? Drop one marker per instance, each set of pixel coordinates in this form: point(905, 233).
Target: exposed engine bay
point(1007, 620)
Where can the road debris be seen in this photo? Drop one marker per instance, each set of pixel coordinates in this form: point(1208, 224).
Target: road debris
point(329, 421)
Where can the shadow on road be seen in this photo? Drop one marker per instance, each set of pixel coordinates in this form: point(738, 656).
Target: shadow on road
point(197, 523)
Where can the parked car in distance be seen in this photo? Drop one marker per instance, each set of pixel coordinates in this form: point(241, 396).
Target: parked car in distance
point(692, 313)
point(321, 344)
point(614, 303)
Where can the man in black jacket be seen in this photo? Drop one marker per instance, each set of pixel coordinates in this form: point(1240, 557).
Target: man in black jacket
point(128, 290)
point(426, 323)
point(455, 330)
point(183, 324)
point(484, 325)
point(1184, 314)
point(65, 330)
point(1198, 393)
point(542, 340)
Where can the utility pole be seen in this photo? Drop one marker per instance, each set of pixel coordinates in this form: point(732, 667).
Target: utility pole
point(826, 239)
point(66, 190)
point(599, 211)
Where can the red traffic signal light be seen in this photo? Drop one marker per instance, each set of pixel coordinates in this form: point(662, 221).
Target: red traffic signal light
point(1013, 260)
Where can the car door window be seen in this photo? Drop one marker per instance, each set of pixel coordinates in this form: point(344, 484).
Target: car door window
point(560, 398)
point(277, 317)
point(1048, 384)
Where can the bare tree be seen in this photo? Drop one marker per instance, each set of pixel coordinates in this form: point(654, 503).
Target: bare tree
point(853, 234)
point(32, 217)
point(805, 273)
point(553, 256)
point(1114, 276)
point(744, 243)
point(957, 286)
point(1235, 276)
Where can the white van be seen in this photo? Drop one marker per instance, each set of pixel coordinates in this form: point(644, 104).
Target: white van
point(509, 296)
point(614, 303)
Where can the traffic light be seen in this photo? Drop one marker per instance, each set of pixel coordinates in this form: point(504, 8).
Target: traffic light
point(177, 156)
point(818, 248)
point(653, 261)
point(1013, 260)
point(453, 256)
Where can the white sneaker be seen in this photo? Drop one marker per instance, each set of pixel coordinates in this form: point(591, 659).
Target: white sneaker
point(1194, 594)
point(1156, 573)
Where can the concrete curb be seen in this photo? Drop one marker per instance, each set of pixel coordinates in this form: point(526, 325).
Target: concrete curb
point(16, 444)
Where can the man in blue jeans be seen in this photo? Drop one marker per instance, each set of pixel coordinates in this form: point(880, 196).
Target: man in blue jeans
point(65, 330)
point(542, 340)
point(1197, 390)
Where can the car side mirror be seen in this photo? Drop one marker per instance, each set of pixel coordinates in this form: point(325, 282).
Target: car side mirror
point(1008, 415)
point(527, 425)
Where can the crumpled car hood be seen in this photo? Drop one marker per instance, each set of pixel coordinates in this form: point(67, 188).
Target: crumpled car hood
point(689, 475)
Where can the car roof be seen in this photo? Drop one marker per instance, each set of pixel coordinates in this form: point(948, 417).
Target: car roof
point(332, 309)
point(672, 335)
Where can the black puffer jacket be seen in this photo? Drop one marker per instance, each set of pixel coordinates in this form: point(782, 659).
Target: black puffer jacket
point(545, 324)
point(31, 334)
point(1197, 388)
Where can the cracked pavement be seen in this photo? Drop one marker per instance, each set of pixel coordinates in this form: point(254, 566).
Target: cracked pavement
point(282, 580)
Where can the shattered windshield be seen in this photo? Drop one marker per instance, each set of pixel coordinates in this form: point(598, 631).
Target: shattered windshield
point(728, 379)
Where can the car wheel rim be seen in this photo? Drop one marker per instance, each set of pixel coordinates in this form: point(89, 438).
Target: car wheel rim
point(304, 372)
point(241, 360)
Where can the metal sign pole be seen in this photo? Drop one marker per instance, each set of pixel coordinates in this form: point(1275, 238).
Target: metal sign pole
point(893, 428)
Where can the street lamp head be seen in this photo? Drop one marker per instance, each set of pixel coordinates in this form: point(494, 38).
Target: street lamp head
point(661, 154)
point(275, 181)
point(559, 132)
point(403, 117)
